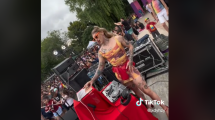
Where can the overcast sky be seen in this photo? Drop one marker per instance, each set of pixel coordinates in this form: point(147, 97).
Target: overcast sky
point(55, 15)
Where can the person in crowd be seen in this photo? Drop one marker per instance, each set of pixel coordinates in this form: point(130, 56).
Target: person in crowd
point(134, 17)
point(151, 28)
point(51, 106)
point(113, 50)
point(140, 26)
point(45, 115)
point(149, 10)
point(141, 12)
point(67, 100)
point(118, 30)
point(128, 28)
point(159, 8)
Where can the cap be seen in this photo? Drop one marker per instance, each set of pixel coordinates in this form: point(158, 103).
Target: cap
point(146, 19)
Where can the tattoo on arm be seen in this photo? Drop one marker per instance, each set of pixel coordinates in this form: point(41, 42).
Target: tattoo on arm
point(131, 52)
point(127, 43)
point(145, 86)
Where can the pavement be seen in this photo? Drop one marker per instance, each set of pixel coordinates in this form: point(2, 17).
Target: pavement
point(159, 84)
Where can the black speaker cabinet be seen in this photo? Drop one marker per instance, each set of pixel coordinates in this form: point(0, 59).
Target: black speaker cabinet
point(78, 81)
point(72, 70)
point(62, 67)
point(108, 73)
point(147, 58)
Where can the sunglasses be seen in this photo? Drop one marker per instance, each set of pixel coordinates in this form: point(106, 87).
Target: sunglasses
point(96, 36)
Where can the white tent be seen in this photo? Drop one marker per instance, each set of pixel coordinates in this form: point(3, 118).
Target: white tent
point(91, 44)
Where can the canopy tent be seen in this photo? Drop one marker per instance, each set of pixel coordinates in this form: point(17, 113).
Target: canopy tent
point(91, 44)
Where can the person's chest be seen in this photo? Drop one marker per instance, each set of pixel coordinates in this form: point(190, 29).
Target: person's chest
point(109, 47)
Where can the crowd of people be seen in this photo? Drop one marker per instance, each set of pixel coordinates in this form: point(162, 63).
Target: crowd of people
point(56, 99)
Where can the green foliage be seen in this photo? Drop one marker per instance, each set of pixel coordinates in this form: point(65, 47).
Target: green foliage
point(52, 42)
point(101, 12)
point(86, 37)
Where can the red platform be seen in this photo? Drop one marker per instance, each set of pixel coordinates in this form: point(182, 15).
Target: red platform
point(106, 111)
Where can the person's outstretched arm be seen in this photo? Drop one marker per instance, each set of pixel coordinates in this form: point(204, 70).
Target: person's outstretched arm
point(100, 67)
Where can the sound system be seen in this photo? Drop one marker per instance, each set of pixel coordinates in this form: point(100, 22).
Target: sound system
point(113, 91)
point(146, 55)
point(78, 81)
point(62, 67)
point(70, 72)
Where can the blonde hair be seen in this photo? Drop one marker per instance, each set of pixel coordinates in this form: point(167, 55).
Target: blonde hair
point(106, 33)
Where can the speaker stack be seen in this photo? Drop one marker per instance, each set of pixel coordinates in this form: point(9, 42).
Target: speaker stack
point(67, 72)
point(146, 55)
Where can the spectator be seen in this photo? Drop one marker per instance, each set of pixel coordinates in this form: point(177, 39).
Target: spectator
point(151, 28)
point(51, 106)
point(128, 28)
point(148, 9)
point(119, 31)
point(159, 8)
point(140, 26)
point(67, 100)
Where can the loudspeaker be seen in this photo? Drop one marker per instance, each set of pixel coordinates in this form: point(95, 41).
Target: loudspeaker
point(62, 67)
point(147, 58)
point(72, 70)
point(108, 73)
point(78, 81)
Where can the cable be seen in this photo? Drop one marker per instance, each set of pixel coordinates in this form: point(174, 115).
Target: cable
point(88, 110)
point(121, 113)
point(94, 113)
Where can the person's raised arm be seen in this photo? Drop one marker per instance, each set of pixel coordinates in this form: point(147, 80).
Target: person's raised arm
point(125, 43)
point(119, 23)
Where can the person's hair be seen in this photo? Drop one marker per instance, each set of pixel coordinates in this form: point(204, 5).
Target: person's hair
point(146, 2)
point(119, 29)
point(106, 33)
point(45, 97)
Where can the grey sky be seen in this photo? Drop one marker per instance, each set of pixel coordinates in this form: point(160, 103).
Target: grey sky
point(55, 15)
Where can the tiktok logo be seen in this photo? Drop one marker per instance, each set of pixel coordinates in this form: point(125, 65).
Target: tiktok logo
point(138, 103)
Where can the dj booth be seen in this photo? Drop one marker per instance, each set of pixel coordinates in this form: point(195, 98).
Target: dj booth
point(106, 105)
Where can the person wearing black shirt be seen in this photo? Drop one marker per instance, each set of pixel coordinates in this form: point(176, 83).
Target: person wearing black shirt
point(119, 31)
point(127, 27)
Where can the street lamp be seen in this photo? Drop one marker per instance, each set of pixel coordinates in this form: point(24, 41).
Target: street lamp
point(55, 52)
point(63, 47)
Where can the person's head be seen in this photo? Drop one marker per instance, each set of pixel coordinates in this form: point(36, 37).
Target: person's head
point(137, 22)
point(147, 20)
point(118, 30)
point(45, 99)
point(65, 93)
point(101, 34)
point(122, 19)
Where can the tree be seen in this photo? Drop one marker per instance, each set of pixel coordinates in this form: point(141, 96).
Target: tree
point(86, 37)
point(101, 12)
point(52, 42)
